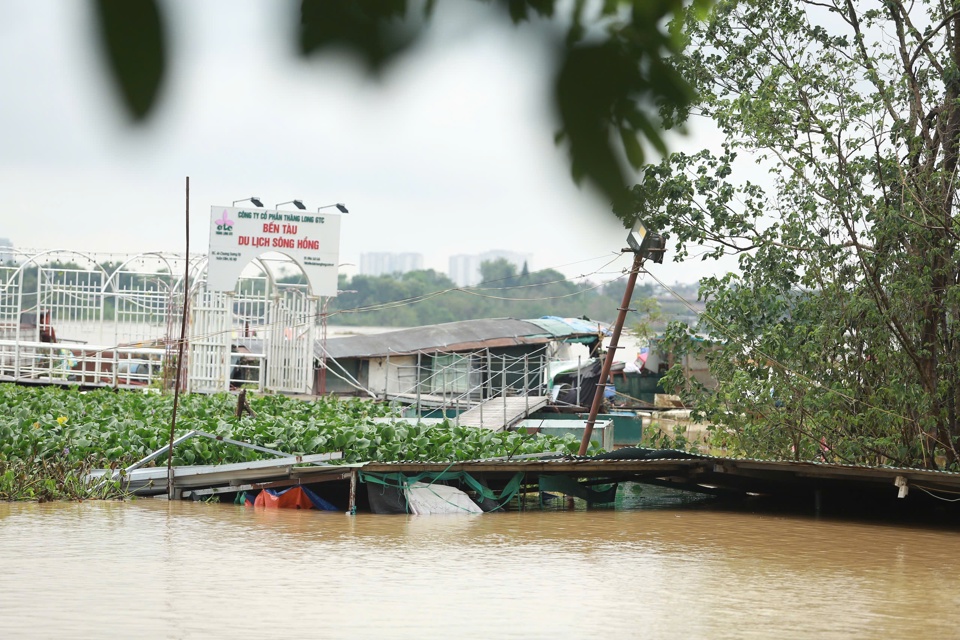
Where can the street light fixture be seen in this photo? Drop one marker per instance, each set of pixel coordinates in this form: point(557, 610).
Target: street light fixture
point(339, 205)
point(255, 200)
point(649, 245)
point(297, 203)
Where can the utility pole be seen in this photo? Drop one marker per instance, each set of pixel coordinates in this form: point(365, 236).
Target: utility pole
point(644, 245)
point(611, 353)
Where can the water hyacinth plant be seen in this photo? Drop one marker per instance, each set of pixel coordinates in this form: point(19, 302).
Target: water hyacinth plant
point(103, 428)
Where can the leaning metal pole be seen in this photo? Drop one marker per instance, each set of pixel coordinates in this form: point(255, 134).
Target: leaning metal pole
point(183, 332)
point(611, 353)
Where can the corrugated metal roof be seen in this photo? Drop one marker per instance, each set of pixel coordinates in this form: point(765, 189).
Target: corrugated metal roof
point(464, 335)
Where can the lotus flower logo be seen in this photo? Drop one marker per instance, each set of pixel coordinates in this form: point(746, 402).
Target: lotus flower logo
point(224, 224)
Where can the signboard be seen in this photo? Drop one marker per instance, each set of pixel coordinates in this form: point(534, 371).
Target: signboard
point(238, 235)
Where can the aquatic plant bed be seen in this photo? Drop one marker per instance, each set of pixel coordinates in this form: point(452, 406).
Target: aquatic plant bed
point(103, 428)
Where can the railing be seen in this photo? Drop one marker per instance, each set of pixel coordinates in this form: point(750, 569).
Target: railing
point(98, 366)
point(88, 365)
point(460, 381)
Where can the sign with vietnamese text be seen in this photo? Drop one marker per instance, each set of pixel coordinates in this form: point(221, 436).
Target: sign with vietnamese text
point(237, 236)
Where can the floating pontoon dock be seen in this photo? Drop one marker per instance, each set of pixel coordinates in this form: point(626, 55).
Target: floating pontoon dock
point(730, 477)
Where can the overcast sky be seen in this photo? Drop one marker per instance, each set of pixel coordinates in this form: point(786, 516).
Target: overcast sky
point(452, 152)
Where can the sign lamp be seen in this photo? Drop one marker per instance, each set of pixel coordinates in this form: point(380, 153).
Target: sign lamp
point(342, 207)
point(253, 199)
point(297, 203)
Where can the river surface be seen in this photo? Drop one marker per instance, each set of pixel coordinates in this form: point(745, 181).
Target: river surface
point(156, 569)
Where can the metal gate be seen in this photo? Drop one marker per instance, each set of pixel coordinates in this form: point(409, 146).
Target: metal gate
point(292, 333)
point(211, 324)
point(275, 329)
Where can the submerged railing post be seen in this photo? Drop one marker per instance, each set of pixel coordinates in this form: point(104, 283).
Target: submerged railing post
point(419, 408)
point(352, 503)
point(503, 383)
point(526, 385)
point(489, 374)
point(444, 405)
point(579, 380)
point(481, 394)
point(542, 374)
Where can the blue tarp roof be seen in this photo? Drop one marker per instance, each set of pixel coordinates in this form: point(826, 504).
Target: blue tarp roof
point(562, 327)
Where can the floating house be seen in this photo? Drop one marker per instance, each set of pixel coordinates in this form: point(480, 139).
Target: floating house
point(452, 364)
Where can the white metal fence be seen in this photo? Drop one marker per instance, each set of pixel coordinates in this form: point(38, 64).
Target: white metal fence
point(114, 320)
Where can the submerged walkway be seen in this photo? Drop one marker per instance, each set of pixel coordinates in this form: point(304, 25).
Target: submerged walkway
point(501, 413)
point(721, 476)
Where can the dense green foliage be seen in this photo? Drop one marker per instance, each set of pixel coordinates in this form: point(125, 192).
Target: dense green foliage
point(839, 336)
point(57, 433)
point(54, 478)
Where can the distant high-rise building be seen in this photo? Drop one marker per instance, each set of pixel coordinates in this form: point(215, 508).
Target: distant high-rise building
point(404, 262)
point(386, 263)
point(465, 269)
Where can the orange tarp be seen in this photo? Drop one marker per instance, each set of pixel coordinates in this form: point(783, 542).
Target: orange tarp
point(294, 498)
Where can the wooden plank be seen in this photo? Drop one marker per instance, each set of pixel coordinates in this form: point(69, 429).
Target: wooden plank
point(352, 503)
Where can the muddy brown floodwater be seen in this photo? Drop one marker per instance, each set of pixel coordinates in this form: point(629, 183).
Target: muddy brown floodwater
point(153, 569)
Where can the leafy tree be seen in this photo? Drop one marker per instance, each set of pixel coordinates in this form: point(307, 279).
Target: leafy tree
point(612, 61)
point(649, 316)
point(497, 273)
point(840, 335)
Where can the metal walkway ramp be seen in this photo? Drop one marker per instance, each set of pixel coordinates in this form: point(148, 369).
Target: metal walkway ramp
point(500, 413)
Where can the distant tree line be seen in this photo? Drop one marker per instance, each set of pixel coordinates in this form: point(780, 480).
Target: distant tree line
point(426, 297)
point(410, 299)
